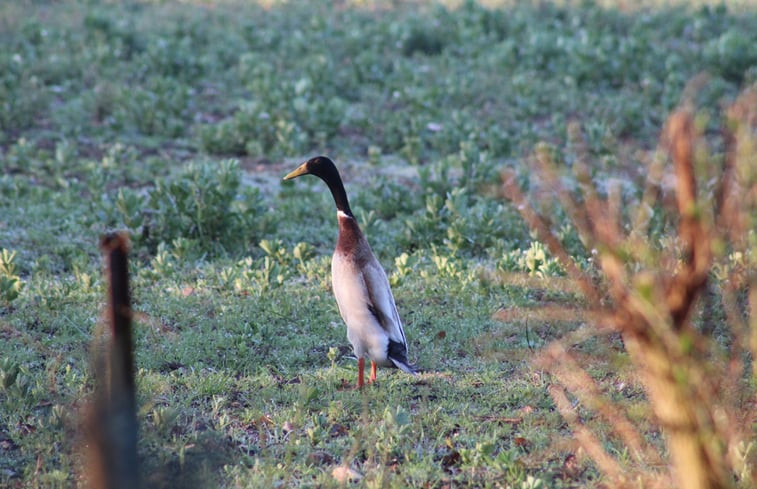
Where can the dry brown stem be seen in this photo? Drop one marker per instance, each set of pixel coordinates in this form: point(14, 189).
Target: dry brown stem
point(537, 223)
point(692, 231)
point(570, 374)
point(650, 296)
point(607, 464)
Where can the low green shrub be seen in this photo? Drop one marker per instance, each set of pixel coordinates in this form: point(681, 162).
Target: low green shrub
point(10, 281)
point(204, 202)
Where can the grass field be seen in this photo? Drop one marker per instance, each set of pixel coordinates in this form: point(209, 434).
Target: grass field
point(177, 120)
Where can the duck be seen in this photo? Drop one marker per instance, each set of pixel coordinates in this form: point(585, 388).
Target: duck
point(360, 285)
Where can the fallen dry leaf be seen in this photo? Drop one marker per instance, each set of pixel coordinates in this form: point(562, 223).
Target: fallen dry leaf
point(264, 420)
point(344, 474)
point(521, 442)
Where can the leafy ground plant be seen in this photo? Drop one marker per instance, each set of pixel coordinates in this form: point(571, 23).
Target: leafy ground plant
point(10, 282)
point(125, 114)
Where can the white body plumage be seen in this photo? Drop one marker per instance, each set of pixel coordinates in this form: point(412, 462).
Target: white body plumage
point(366, 303)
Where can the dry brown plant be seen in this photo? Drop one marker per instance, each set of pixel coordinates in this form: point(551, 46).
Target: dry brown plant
point(700, 388)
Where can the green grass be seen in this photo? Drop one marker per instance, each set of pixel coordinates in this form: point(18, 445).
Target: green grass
point(176, 121)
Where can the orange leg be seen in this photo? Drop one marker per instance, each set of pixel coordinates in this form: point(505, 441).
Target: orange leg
point(360, 367)
point(372, 378)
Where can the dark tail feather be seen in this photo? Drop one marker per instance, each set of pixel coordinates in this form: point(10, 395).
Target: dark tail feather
point(404, 366)
point(397, 353)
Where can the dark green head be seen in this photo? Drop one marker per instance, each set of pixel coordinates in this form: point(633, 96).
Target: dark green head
point(323, 168)
point(319, 166)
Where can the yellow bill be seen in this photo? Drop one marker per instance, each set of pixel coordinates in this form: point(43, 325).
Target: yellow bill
point(300, 170)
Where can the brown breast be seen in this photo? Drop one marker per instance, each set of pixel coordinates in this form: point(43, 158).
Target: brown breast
point(351, 242)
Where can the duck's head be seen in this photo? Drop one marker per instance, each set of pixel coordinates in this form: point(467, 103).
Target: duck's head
point(319, 166)
point(323, 168)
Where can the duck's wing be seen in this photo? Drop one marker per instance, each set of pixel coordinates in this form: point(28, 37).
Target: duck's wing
point(381, 301)
point(381, 304)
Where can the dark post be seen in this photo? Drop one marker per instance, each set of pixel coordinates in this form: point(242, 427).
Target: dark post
point(116, 401)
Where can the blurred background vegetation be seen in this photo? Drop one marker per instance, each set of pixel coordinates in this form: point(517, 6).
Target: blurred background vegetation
point(176, 121)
